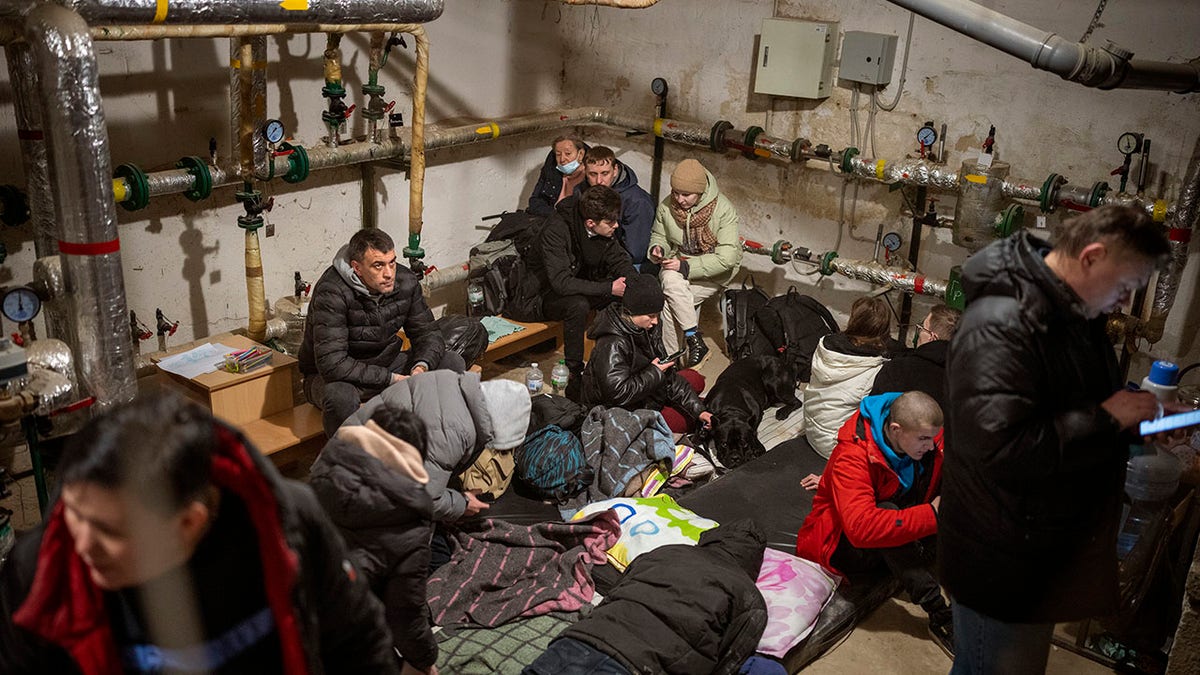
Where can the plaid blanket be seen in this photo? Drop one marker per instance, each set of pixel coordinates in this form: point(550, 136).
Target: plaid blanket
point(504, 650)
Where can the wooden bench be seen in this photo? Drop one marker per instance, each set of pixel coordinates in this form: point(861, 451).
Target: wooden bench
point(533, 334)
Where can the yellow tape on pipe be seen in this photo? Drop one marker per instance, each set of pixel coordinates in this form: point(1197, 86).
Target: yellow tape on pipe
point(879, 168)
point(976, 178)
point(1160, 210)
point(119, 191)
point(160, 12)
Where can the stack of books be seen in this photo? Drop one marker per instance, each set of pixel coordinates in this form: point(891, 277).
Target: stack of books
point(245, 360)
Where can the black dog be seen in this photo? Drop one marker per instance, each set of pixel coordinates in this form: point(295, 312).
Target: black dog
point(738, 399)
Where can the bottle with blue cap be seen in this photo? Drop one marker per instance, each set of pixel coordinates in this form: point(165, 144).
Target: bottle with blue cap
point(1163, 381)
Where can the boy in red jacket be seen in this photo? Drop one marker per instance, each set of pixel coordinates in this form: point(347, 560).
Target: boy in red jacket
point(876, 505)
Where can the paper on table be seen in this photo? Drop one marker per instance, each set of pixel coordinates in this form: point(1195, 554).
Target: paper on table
point(194, 362)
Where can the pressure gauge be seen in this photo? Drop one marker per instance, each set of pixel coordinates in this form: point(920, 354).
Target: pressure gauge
point(892, 241)
point(927, 135)
point(21, 304)
point(273, 131)
point(1129, 143)
point(658, 86)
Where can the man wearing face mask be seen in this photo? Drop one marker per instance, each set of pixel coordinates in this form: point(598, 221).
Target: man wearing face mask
point(561, 174)
point(351, 350)
point(1038, 436)
point(637, 207)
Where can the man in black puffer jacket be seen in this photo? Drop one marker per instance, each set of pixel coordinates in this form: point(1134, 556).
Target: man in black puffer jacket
point(924, 367)
point(679, 610)
point(626, 369)
point(350, 350)
point(371, 481)
point(1038, 436)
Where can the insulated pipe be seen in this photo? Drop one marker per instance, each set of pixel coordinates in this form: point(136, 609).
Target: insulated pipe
point(903, 280)
point(416, 165)
point(255, 11)
point(333, 90)
point(28, 108)
point(444, 276)
point(248, 105)
point(1184, 222)
point(256, 296)
point(80, 174)
point(1075, 61)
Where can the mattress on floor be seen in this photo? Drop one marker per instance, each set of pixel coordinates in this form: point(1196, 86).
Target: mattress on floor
point(766, 490)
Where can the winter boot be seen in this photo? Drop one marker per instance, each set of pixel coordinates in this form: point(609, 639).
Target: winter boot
point(696, 351)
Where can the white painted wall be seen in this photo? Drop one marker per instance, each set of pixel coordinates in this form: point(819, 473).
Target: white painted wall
point(707, 50)
point(496, 58)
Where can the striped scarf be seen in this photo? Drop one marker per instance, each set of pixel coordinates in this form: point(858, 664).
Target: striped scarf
point(698, 237)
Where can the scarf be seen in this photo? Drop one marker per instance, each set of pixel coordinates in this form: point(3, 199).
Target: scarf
point(698, 237)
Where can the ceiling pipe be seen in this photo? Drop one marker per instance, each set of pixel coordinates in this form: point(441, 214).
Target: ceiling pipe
point(254, 11)
point(623, 4)
point(80, 170)
point(1110, 67)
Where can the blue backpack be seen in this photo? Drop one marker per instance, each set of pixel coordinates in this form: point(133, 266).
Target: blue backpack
point(551, 462)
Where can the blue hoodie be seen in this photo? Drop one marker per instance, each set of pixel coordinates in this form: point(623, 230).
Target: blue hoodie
point(876, 409)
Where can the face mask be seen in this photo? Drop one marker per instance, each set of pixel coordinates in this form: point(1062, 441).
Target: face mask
point(568, 168)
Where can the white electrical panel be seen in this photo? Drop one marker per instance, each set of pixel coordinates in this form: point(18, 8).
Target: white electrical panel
point(867, 57)
point(795, 58)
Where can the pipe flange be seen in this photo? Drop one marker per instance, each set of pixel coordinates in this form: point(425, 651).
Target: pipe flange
point(203, 186)
point(137, 185)
point(1049, 197)
point(848, 156)
point(250, 223)
point(373, 89)
point(751, 135)
point(716, 137)
point(1097, 196)
point(413, 251)
point(298, 166)
point(827, 263)
point(14, 204)
point(800, 147)
point(781, 252)
point(333, 90)
point(1010, 219)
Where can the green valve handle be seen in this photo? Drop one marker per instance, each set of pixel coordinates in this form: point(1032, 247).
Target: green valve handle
point(414, 250)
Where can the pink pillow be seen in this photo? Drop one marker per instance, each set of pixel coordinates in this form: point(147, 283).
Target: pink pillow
point(796, 591)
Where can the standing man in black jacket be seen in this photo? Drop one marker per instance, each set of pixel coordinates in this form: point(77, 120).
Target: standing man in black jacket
point(924, 367)
point(351, 350)
point(579, 266)
point(1038, 436)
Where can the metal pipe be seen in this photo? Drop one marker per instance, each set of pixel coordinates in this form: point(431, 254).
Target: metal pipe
point(80, 174)
point(28, 108)
point(1180, 227)
point(256, 297)
point(334, 117)
point(1107, 68)
point(444, 276)
point(416, 172)
point(903, 280)
point(248, 105)
point(255, 11)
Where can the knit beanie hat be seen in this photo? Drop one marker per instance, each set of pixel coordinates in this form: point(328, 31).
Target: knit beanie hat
point(689, 176)
point(508, 405)
point(643, 295)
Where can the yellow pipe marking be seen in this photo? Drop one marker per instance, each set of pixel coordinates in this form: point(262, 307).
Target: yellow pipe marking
point(160, 11)
point(1160, 210)
point(879, 168)
point(294, 5)
point(658, 127)
point(119, 191)
point(976, 178)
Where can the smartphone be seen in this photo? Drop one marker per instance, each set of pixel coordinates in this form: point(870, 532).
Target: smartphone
point(673, 357)
point(1170, 423)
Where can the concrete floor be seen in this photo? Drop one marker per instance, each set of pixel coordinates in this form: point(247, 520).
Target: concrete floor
point(891, 641)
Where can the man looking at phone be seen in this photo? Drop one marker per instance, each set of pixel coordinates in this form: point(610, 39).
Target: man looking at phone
point(1038, 435)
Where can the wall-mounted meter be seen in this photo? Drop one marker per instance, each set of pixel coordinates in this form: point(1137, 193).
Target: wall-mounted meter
point(795, 58)
point(21, 304)
point(273, 131)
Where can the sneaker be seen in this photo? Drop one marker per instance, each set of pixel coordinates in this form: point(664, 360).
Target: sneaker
point(697, 351)
point(943, 636)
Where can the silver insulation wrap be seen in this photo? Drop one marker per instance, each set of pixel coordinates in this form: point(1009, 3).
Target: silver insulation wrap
point(1019, 189)
point(907, 171)
point(51, 374)
point(258, 106)
point(81, 175)
point(444, 276)
point(778, 147)
point(255, 11)
point(28, 107)
point(903, 280)
point(48, 276)
point(1181, 226)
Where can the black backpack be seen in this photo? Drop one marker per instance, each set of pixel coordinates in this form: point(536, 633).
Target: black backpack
point(465, 335)
point(551, 462)
point(741, 333)
point(499, 264)
point(792, 325)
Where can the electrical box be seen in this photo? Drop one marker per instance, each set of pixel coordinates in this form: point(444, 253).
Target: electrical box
point(795, 58)
point(867, 57)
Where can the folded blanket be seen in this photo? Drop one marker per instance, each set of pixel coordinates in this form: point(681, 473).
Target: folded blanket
point(504, 650)
point(501, 570)
point(498, 328)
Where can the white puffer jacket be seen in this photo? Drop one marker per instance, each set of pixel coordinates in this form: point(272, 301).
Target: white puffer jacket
point(839, 383)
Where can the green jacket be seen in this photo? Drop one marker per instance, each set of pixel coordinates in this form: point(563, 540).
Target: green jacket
point(723, 263)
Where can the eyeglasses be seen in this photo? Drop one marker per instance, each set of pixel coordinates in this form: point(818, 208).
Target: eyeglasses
point(917, 333)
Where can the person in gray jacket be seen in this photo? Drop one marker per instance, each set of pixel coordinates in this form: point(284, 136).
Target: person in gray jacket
point(463, 416)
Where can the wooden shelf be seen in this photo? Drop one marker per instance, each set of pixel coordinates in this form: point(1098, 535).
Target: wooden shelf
point(285, 429)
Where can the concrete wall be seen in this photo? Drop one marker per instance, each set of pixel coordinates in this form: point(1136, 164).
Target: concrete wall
point(165, 99)
point(1044, 124)
point(490, 59)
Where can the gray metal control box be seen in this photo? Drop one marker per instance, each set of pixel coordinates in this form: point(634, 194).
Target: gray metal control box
point(795, 58)
point(867, 57)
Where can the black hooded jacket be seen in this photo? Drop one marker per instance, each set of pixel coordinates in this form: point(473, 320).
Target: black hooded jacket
point(921, 369)
point(620, 372)
point(1034, 466)
point(386, 519)
point(683, 609)
point(566, 261)
point(637, 212)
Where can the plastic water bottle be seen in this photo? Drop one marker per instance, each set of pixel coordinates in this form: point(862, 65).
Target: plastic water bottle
point(1150, 480)
point(475, 298)
point(534, 379)
point(559, 377)
point(1163, 381)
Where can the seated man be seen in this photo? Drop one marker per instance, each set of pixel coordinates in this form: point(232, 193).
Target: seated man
point(695, 242)
point(371, 481)
point(561, 174)
point(578, 266)
point(877, 502)
point(175, 547)
point(637, 206)
point(923, 368)
point(350, 350)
